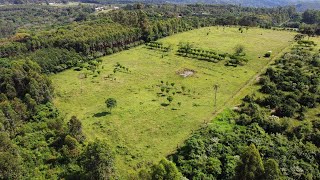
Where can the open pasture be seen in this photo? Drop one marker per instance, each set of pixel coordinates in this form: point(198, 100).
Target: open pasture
point(145, 126)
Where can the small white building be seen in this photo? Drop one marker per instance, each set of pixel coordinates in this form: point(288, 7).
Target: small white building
point(99, 8)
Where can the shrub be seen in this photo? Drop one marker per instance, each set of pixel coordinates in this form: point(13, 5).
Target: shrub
point(244, 120)
point(115, 50)
point(77, 69)
point(239, 49)
point(109, 51)
point(267, 55)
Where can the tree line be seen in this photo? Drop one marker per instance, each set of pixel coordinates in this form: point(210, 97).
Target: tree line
point(89, 39)
point(308, 22)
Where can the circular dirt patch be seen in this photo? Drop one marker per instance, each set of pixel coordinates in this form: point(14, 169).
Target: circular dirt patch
point(186, 73)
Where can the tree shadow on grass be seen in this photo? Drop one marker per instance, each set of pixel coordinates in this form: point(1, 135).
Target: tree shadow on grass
point(165, 104)
point(100, 114)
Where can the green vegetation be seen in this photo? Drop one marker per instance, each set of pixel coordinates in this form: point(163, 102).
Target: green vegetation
point(111, 103)
point(186, 50)
point(21, 18)
point(54, 60)
point(140, 130)
point(250, 165)
point(165, 170)
point(105, 34)
point(284, 144)
point(159, 46)
point(35, 141)
point(157, 96)
point(267, 55)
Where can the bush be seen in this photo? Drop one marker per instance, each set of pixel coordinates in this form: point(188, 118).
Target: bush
point(77, 69)
point(285, 110)
point(115, 50)
point(239, 49)
point(244, 119)
point(268, 88)
point(307, 43)
point(267, 55)
point(97, 54)
point(109, 51)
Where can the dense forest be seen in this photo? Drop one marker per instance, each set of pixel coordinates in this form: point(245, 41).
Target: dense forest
point(32, 17)
point(302, 5)
point(269, 137)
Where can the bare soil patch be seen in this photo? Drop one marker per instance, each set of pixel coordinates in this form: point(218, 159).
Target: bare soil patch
point(186, 73)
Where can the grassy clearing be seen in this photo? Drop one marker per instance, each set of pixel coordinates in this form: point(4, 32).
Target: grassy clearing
point(141, 130)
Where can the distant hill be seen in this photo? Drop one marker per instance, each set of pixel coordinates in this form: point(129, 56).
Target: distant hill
point(254, 3)
point(308, 5)
point(300, 4)
point(28, 1)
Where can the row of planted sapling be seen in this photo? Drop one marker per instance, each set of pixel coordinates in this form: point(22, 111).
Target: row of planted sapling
point(93, 68)
point(120, 68)
point(167, 91)
point(307, 43)
point(117, 68)
point(90, 68)
point(186, 50)
point(302, 43)
point(158, 46)
point(238, 57)
point(92, 65)
point(236, 60)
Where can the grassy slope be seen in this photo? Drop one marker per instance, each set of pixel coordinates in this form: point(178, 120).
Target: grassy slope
point(140, 129)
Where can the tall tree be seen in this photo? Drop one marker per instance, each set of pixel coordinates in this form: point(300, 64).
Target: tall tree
point(215, 87)
point(272, 171)
point(75, 129)
point(98, 161)
point(111, 103)
point(311, 17)
point(250, 167)
point(144, 25)
point(165, 170)
point(10, 162)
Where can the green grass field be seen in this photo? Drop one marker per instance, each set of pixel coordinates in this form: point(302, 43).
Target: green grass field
point(140, 129)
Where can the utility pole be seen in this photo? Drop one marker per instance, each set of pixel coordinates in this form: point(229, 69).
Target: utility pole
point(81, 77)
point(215, 87)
